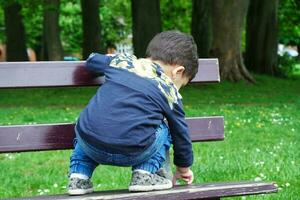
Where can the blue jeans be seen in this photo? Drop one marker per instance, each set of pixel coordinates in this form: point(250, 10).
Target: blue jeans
point(85, 158)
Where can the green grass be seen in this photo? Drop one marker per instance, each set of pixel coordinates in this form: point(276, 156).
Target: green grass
point(261, 126)
point(296, 70)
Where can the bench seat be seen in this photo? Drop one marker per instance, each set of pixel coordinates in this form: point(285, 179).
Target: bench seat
point(199, 191)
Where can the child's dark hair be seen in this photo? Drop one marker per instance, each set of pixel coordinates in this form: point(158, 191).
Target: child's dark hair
point(174, 47)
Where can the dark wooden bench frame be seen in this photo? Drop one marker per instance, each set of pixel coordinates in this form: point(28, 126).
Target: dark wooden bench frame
point(22, 138)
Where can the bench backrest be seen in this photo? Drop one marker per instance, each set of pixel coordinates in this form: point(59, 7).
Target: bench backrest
point(19, 138)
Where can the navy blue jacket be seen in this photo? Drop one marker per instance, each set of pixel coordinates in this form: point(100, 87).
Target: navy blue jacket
point(126, 110)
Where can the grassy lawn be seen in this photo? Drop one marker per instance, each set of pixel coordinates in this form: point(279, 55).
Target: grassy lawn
point(262, 137)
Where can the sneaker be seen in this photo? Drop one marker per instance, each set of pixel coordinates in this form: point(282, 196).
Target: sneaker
point(143, 181)
point(164, 173)
point(78, 186)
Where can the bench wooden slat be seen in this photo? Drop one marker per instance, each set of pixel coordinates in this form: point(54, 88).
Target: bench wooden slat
point(74, 73)
point(21, 138)
point(201, 191)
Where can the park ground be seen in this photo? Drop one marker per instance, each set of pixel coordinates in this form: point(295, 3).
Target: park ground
point(262, 141)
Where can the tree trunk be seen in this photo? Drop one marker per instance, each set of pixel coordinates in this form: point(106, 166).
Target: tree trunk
point(262, 37)
point(15, 33)
point(91, 27)
point(146, 23)
point(228, 17)
point(201, 26)
point(51, 39)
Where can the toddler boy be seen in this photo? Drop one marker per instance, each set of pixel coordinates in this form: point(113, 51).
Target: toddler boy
point(123, 124)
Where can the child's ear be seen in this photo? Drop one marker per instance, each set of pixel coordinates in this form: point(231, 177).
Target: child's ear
point(178, 70)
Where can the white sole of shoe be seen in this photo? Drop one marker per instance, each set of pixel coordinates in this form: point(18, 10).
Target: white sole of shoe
point(145, 188)
point(80, 191)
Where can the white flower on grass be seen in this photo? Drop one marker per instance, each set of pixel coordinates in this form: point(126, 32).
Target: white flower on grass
point(293, 162)
point(55, 185)
point(280, 188)
point(64, 187)
point(293, 130)
point(221, 157)
point(261, 162)
point(41, 193)
point(244, 151)
point(287, 184)
point(9, 156)
point(276, 147)
point(262, 176)
point(277, 169)
point(257, 179)
point(257, 150)
point(243, 197)
point(46, 190)
point(39, 190)
point(99, 185)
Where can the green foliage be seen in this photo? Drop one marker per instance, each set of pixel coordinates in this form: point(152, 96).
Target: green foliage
point(176, 14)
point(289, 18)
point(70, 22)
point(116, 20)
point(2, 26)
point(286, 65)
point(32, 12)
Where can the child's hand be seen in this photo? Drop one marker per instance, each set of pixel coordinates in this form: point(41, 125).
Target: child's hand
point(183, 173)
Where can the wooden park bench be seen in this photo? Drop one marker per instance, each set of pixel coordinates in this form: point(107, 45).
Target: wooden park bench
point(40, 137)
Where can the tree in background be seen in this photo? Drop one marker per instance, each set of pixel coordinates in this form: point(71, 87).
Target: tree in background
point(146, 23)
point(201, 26)
point(228, 17)
point(52, 47)
point(15, 33)
point(262, 37)
point(91, 27)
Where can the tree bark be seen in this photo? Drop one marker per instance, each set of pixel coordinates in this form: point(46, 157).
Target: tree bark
point(201, 26)
point(15, 33)
point(52, 47)
point(228, 17)
point(262, 37)
point(91, 27)
point(146, 23)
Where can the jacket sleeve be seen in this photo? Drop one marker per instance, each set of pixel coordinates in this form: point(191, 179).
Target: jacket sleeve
point(98, 63)
point(182, 145)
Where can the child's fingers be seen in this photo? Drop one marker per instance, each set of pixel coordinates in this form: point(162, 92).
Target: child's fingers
point(186, 177)
point(174, 180)
point(191, 178)
point(175, 177)
point(190, 181)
